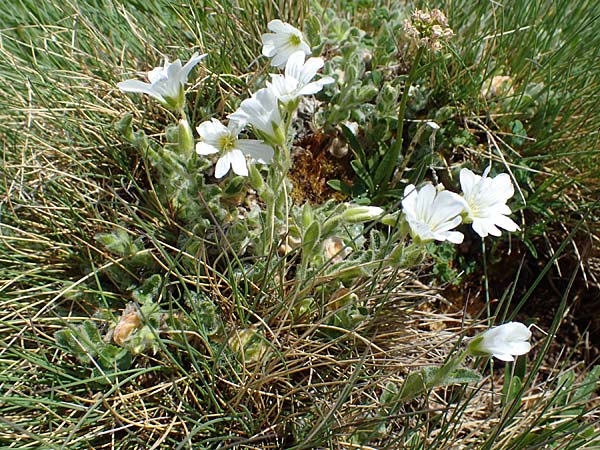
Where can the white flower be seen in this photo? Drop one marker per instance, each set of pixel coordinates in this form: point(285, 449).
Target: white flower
point(262, 112)
point(431, 214)
point(284, 41)
point(166, 83)
point(297, 79)
point(485, 202)
point(504, 341)
point(217, 138)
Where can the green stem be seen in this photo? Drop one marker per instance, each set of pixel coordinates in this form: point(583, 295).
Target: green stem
point(276, 181)
point(397, 145)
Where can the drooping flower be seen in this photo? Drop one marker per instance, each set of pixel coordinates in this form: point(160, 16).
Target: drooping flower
point(485, 202)
point(262, 112)
point(432, 214)
point(503, 342)
point(166, 82)
point(217, 138)
point(297, 79)
point(283, 42)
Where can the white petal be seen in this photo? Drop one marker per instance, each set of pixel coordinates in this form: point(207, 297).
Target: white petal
point(277, 26)
point(211, 130)
point(223, 165)
point(238, 162)
point(202, 148)
point(295, 66)
point(515, 330)
point(467, 180)
point(409, 200)
point(520, 348)
point(479, 227)
point(456, 237)
point(310, 69)
point(139, 87)
point(311, 88)
point(280, 58)
point(257, 150)
point(502, 184)
point(185, 71)
point(239, 116)
point(282, 86)
point(503, 357)
point(269, 49)
point(158, 73)
point(173, 71)
point(506, 223)
point(424, 203)
point(447, 206)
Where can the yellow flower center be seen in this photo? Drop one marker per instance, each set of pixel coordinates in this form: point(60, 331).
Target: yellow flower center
point(227, 142)
point(295, 40)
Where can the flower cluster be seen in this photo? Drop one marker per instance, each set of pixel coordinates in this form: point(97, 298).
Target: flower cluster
point(287, 47)
point(428, 28)
point(331, 235)
point(431, 215)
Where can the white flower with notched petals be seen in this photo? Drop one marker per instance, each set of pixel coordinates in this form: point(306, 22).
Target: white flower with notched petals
point(297, 80)
point(283, 42)
point(503, 342)
point(432, 214)
point(217, 138)
point(262, 112)
point(166, 83)
point(485, 202)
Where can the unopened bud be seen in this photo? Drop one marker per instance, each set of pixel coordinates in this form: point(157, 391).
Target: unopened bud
point(186, 137)
point(356, 214)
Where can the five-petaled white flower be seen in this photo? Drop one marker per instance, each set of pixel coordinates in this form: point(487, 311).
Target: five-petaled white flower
point(166, 83)
point(432, 214)
point(297, 79)
point(485, 202)
point(262, 112)
point(283, 42)
point(503, 342)
point(217, 138)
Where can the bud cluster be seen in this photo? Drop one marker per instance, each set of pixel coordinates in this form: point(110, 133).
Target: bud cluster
point(428, 28)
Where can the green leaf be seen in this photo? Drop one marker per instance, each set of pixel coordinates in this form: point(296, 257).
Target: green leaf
point(588, 386)
point(340, 186)
point(385, 168)
point(363, 174)
point(149, 289)
point(310, 239)
point(357, 149)
point(512, 388)
point(462, 375)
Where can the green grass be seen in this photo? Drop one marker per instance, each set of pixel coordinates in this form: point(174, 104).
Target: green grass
point(67, 176)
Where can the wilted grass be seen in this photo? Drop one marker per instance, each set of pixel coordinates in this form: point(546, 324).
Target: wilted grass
point(67, 176)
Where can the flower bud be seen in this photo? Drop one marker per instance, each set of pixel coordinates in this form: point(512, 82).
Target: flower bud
point(356, 214)
point(185, 137)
